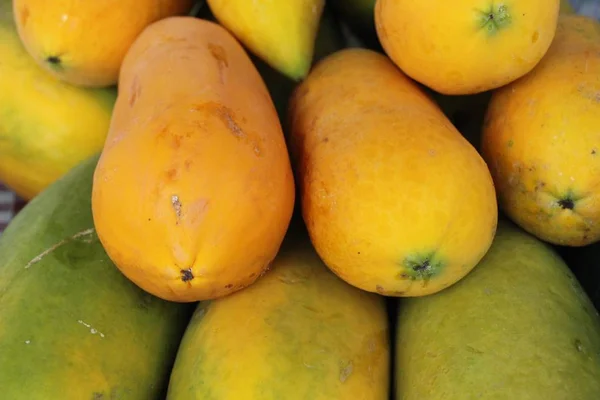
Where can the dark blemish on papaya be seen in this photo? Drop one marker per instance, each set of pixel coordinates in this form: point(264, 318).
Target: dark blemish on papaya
point(510, 143)
point(24, 16)
point(220, 56)
point(136, 91)
point(54, 62)
point(97, 396)
point(187, 164)
point(187, 275)
point(358, 253)
point(228, 286)
point(379, 289)
point(473, 350)
point(325, 140)
point(149, 219)
point(566, 204)
point(252, 275)
point(594, 152)
point(578, 345)
point(176, 206)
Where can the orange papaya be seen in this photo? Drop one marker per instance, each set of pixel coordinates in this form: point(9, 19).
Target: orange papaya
point(194, 190)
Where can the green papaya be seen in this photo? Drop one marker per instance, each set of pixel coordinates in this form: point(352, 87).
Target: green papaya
point(519, 326)
point(72, 327)
point(298, 333)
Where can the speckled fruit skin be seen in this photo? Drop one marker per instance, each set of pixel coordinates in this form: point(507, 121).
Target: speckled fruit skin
point(298, 333)
point(72, 327)
point(541, 139)
point(194, 190)
point(466, 46)
point(518, 327)
point(395, 199)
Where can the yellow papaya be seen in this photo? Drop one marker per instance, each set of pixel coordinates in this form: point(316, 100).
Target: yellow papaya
point(46, 126)
point(298, 333)
point(540, 139)
point(194, 191)
point(84, 42)
point(395, 199)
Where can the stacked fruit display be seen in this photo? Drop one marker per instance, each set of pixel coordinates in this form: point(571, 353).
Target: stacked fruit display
point(231, 200)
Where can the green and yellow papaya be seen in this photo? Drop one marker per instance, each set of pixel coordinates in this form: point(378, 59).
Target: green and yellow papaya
point(72, 327)
point(299, 332)
point(519, 326)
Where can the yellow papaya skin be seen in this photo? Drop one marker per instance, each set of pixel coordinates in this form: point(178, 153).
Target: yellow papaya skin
point(395, 199)
point(194, 190)
point(72, 327)
point(298, 333)
point(518, 327)
point(46, 126)
point(540, 139)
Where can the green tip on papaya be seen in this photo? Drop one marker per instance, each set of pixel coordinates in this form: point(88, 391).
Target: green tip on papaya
point(421, 267)
point(494, 19)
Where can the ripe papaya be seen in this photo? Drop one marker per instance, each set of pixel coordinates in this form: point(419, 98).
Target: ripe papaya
point(298, 333)
point(540, 139)
point(395, 199)
point(194, 191)
point(84, 42)
point(46, 126)
point(72, 326)
point(519, 326)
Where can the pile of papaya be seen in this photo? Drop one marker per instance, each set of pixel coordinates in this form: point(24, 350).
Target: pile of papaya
point(260, 200)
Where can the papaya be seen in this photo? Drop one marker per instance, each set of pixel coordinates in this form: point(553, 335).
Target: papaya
point(540, 139)
point(71, 326)
point(281, 33)
point(46, 126)
point(395, 199)
point(466, 46)
point(518, 326)
point(298, 333)
point(194, 190)
point(83, 42)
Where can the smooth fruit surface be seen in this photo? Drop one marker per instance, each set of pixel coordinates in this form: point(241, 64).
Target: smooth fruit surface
point(46, 126)
point(281, 33)
point(72, 327)
point(466, 46)
point(298, 333)
point(194, 190)
point(84, 42)
point(540, 139)
point(395, 199)
point(519, 326)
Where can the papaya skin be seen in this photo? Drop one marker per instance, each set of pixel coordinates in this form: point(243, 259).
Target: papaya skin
point(281, 33)
point(194, 190)
point(72, 327)
point(519, 326)
point(466, 46)
point(84, 42)
point(306, 335)
point(395, 200)
point(46, 126)
point(540, 139)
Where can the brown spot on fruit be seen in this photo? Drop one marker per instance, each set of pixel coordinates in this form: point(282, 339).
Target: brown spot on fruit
point(136, 91)
point(24, 16)
point(535, 37)
point(187, 275)
point(220, 56)
point(228, 286)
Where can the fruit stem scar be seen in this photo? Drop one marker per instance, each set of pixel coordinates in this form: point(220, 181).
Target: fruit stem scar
point(421, 267)
point(187, 275)
point(54, 62)
point(567, 203)
point(494, 19)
